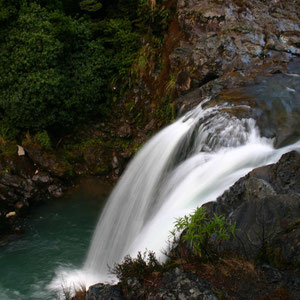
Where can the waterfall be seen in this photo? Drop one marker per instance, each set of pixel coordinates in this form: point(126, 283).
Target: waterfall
point(190, 162)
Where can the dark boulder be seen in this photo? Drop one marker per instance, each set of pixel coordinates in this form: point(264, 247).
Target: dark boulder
point(173, 284)
point(22, 186)
point(265, 205)
point(104, 292)
point(46, 161)
point(124, 131)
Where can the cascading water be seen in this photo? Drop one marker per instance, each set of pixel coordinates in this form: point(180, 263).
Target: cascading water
point(134, 199)
point(190, 162)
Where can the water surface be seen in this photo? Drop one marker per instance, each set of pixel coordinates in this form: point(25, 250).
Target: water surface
point(58, 236)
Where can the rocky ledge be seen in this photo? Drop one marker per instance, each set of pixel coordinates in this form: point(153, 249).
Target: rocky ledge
point(265, 205)
point(27, 184)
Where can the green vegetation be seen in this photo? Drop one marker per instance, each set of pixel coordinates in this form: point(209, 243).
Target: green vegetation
point(171, 85)
point(61, 60)
point(52, 73)
point(139, 267)
point(43, 139)
point(200, 231)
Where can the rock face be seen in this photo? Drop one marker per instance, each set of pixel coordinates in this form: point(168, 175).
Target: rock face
point(46, 161)
point(174, 284)
point(104, 292)
point(125, 131)
point(21, 188)
point(224, 50)
point(265, 205)
point(233, 35)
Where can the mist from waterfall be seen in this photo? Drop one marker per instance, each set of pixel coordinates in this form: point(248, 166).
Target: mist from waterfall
point(190, 162)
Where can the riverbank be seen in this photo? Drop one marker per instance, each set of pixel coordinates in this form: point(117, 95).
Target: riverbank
point(57, 236)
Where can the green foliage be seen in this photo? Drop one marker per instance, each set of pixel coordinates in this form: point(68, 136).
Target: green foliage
point(120, 42)
point(199, 231)
point(155, 17)
point(43, 139)
point(4, 131)
point(51, 73)
point(139, 267)
point(165, 112)
point(7, 147)
point(171, 85)
point(90, 5)
point(8, 10)
point(61, 58)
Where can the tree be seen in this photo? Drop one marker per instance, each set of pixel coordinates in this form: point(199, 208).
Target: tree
point(52, 73)
point(90, 5)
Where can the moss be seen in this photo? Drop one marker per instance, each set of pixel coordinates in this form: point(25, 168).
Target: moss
point(103, 170)
point(171, 85)
point(5, 170)
point(273, 255)
point(7, 149)
point(165, 111)
point(219, 293)
point(7, 152)
point(69, 172)
point(43, 139)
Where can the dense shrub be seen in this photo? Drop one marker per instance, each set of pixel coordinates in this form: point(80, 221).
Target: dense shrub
point(155, 18)
point(139, 267)
point(59, 58)
point(43, 139)
point(52, 74)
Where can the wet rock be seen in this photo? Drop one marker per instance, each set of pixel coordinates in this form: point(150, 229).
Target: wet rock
point(21, 151)
point(125, 131)
point(10, 214)
point(126, 154)
point(22, 207)
point(225, 45)
point(20, 189)
point(22, 166)
point(150, 126)
point(42, 178)
point(104, 292)
point(49, 162)
point(12, 180)
point(265, 205)
point(183, 81)
point(272, 274)
point(173, 284)
point(283, 250)
point(115, 162)
point(55, 191)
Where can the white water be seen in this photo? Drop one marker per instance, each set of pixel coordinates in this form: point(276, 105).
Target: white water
point(189, 163)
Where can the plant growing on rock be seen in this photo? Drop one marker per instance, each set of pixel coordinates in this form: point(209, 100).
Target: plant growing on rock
point(139, 267)
point(201, 232)
point(44, 139)
point(171, 85)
